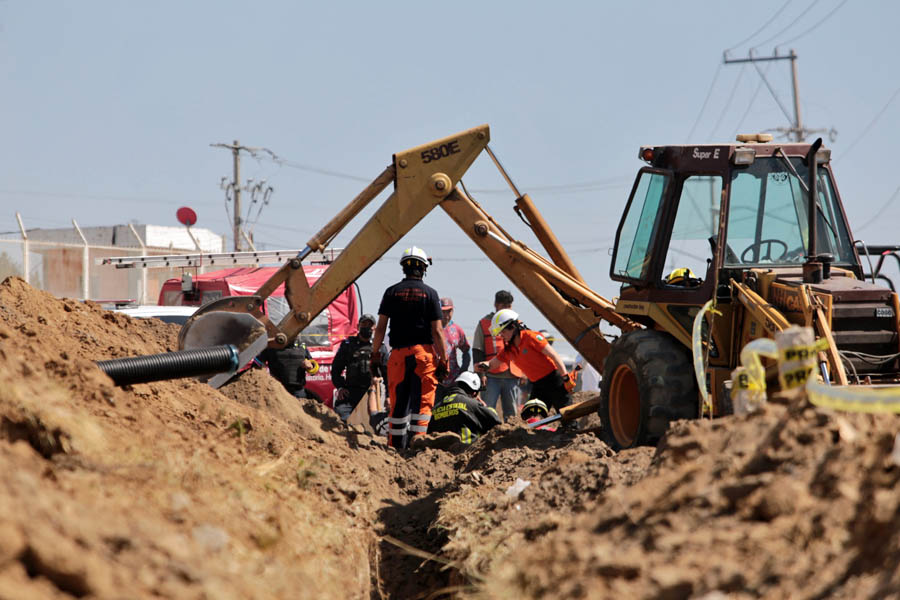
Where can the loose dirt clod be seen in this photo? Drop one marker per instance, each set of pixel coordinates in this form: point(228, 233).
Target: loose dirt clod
point(173, 489)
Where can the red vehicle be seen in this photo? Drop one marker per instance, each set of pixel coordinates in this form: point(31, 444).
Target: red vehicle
point(323, 335)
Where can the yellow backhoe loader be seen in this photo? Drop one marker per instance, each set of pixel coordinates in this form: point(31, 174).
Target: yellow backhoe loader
point(729, 222)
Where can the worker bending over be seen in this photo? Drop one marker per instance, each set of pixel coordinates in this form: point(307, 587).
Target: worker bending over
point(462, 412)
point(537, 359)
point(418, 353)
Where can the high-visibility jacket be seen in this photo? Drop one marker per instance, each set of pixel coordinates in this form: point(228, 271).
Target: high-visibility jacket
point(493, 346)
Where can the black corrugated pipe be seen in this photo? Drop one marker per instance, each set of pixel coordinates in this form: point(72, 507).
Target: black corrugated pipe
point(171, 365)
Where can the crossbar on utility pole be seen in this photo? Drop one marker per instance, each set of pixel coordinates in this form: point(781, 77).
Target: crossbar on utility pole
point(236, 148)
point(798, 130)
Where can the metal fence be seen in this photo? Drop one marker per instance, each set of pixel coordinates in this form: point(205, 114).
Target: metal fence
point(67, 269)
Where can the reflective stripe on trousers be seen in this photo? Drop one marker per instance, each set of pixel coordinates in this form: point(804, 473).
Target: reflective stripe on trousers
point(465, 435)
point(412, 387)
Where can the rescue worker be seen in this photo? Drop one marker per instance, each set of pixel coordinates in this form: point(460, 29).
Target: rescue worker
point(456, 341)
point(542, 365)
point(350, 372)
point(535, 410)
point(501, 381)
point(462, 412)
point(418, 356)
point(290, 365)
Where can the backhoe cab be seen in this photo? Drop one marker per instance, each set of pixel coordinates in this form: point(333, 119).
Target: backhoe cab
point(738, 216)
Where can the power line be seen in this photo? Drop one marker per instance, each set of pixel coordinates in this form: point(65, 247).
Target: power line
point(311, 169)
point(814, 27)
point(880, 210)
point(703, 107)
point(764, 25)
point(737, 82)
point(789, 25)
point(585, 186)
point(94, 197)
point(750, 105)
point(869, 126)
point(610, 183)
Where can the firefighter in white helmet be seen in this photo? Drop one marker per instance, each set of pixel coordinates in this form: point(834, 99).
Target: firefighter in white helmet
point(418, 358)
point(462, 411)
point(537, 359)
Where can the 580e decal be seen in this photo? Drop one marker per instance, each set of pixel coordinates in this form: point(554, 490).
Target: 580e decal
point(439, 152)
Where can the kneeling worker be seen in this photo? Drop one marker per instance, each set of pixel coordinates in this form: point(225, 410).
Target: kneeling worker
point(537, 359)
point(460, 411)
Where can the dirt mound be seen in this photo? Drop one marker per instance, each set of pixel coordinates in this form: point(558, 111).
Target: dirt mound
point(793, 502)
point(173, 489)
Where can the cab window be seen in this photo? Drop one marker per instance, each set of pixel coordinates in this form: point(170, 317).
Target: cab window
point(637, 230)
point(696, 221)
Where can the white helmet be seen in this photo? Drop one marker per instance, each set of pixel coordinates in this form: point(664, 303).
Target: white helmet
point(415, 254)
point(501, 319)
point(470, 379)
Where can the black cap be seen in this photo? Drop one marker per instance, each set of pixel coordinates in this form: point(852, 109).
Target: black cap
point(367, 317)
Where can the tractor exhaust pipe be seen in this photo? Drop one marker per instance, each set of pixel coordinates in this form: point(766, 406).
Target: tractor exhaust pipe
point(813, 270)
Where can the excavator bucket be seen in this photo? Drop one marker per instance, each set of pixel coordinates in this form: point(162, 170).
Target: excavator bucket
point(218, 323)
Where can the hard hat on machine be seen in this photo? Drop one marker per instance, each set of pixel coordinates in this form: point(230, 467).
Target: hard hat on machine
point(414, 254)
point(680, 276)
point(503, 318)
point(470, 380)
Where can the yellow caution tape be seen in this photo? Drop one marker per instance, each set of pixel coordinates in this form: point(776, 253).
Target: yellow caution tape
point(796, 368)
point(743, 381)
point(854, 398)
point(314, 368)
point(751, 358)
point(699, 363)
point(699, 357)
point(795, 377)
point(802, 353)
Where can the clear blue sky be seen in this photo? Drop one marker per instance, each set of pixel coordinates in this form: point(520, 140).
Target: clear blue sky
point(109, 108)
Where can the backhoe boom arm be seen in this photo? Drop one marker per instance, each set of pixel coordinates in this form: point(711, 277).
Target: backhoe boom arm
point(425, 177)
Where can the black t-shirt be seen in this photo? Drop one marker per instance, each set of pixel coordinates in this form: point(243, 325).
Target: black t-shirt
point(411, 307)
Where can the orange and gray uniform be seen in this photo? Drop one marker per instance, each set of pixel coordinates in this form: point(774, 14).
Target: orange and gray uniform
point(411, 307)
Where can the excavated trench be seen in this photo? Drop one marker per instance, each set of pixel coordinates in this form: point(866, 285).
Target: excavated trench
point(172, 489)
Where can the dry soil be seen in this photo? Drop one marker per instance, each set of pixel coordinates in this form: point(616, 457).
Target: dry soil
point(175, 490)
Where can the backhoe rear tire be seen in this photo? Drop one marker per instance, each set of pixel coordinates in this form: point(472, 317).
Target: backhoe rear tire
point(648, 381)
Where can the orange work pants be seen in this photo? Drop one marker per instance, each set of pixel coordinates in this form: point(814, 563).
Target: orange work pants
point(411, 386)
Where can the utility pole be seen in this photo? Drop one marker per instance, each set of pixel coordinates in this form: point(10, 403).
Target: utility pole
point(235, 186)
point(236, 183)
point(797, 131)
